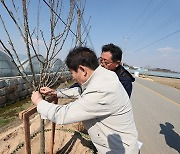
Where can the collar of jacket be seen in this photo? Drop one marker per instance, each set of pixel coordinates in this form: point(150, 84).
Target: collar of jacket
point(120, 69)
point(85, 84)
point(122, 73)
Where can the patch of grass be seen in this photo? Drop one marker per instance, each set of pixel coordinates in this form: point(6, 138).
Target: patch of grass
point(5, 120)
point(10, 113)
point(172, 82)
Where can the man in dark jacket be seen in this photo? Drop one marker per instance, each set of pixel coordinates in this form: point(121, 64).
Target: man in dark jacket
point(111, 59)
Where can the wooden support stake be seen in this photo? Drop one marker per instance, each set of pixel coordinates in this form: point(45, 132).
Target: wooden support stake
point(27, 135)
point(52, 137)
point(53, 131)
point(42, 137)
point(24, 115)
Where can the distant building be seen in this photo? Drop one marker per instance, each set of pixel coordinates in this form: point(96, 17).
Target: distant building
point(7, 67)
point(126, 67)
point(140, 68)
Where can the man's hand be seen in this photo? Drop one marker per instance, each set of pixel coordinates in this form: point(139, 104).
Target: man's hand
point(36, 97)
point(48, 91)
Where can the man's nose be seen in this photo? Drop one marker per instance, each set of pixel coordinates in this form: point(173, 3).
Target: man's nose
point(102, 64)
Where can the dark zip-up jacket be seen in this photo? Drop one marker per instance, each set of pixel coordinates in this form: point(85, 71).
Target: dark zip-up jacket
point(125, 78)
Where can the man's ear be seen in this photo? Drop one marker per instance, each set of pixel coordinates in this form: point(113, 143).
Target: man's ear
point(118, 63)
point(83, 69)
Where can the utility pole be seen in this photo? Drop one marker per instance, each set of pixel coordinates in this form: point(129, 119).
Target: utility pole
point(125, 48)
point(79, 27)
point(80, 38)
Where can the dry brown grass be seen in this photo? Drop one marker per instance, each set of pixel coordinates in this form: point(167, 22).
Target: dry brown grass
point(175, 83)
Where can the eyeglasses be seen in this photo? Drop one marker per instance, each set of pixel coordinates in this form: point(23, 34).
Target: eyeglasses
point(105, 61)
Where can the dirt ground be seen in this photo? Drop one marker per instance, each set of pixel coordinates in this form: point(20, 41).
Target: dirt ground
point(67, 138)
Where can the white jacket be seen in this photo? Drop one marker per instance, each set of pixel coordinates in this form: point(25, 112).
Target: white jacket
point(105, 109)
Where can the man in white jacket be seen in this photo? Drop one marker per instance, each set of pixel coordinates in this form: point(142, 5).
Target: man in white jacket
point(103, 106)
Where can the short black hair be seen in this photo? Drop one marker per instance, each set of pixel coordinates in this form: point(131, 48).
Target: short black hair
point(81, 56)
point(114, 50)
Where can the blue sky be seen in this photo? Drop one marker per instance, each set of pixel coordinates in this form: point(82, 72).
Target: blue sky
point(148, 31)
point(135, 24)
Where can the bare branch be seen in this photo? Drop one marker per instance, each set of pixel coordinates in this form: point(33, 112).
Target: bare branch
point(13, 18)
point(9, 53)
point(16, 10)
point(66, 31)
point(14, 50)
point(26, 38)
point(31, 36)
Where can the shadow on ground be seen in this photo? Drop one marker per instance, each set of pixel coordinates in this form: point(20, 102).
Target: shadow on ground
point(69, 145)
point(171, 137)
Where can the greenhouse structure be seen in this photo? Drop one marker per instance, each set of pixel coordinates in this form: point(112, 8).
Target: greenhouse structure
point(57, 65)
point(37, 65)
point(7, 67)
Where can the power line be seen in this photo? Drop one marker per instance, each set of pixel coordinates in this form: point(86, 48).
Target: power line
point(151, 14)
point(162, 26)
point(168, 22)
point(154, 42)
point(88, 36)
point(59, 18)
point(137, 19)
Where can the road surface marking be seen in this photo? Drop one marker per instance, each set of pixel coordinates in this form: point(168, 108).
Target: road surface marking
point(160, 95)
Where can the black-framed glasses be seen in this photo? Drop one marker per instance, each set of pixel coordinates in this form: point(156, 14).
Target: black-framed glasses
point(105, 61)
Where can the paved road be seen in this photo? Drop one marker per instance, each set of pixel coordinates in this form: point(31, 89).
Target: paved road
point(156, 110)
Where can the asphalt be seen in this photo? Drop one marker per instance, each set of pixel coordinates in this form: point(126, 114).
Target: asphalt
point(156, 109)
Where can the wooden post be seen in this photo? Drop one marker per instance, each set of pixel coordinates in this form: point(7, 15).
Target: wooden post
point(52, 137)
point(42, 137)
point(53, 132)
point(27, 135)
point(24, 115)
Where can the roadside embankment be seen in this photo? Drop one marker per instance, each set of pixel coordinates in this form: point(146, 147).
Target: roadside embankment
point(172, 82)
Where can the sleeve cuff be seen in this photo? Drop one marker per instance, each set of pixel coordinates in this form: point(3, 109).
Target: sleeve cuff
point(43, 107)
point(66, 93)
